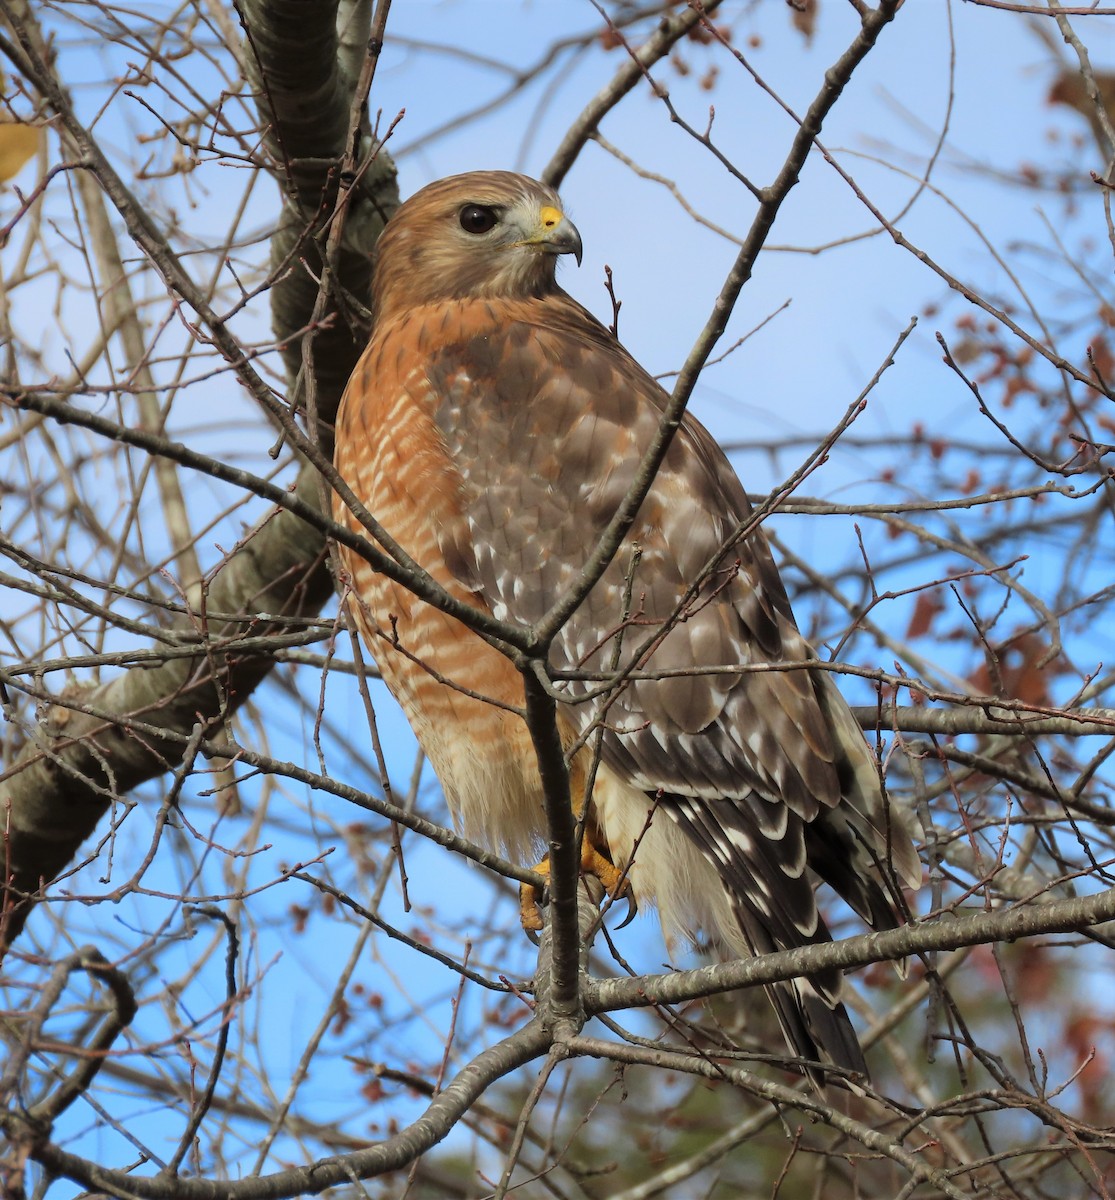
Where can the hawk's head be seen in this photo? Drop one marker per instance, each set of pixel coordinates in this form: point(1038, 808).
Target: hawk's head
point(483, 234)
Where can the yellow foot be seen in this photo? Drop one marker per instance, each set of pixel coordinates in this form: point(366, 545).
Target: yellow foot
point(593, 862)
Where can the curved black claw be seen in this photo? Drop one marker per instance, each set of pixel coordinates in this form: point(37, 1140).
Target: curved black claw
point(632, 909)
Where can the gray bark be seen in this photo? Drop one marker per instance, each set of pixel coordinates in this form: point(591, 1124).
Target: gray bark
point(74, 766)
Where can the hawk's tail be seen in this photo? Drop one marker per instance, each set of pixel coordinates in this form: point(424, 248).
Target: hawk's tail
point(809, 1008)
point(817, 1029)
point(759, 852)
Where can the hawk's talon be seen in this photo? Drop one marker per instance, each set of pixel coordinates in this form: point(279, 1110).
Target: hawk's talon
point(594, 863)
point(598, 864)
point(632, 906)
point(531, 899)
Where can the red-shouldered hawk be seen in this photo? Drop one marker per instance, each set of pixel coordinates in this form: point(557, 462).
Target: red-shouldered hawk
point(493, 427)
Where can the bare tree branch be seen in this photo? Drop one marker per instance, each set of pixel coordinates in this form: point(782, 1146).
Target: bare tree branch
point(57, 793)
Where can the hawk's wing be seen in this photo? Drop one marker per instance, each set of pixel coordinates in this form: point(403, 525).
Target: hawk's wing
point(547, 426)
point(546, 422)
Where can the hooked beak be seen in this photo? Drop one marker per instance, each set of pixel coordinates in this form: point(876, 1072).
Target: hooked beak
point(556, 234)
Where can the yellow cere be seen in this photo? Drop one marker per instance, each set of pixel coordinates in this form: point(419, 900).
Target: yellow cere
point(550, 216)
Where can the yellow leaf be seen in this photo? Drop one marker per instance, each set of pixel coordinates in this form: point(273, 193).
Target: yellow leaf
point(18, 144)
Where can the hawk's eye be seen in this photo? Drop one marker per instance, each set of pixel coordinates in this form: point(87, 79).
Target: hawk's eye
point(476, 218)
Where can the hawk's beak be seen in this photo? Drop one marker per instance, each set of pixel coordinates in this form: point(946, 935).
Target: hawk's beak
point(556, 234)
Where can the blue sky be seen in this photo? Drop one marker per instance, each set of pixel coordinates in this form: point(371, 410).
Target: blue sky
point(845, 308)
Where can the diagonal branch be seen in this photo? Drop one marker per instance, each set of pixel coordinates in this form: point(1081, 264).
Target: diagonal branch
point(1026, 919)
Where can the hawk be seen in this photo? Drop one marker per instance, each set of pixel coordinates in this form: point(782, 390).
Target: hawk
point(493, 426)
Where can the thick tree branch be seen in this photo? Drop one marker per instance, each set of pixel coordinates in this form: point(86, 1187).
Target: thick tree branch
point(57, 792)
point(945, 933)
point(439, 1119)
